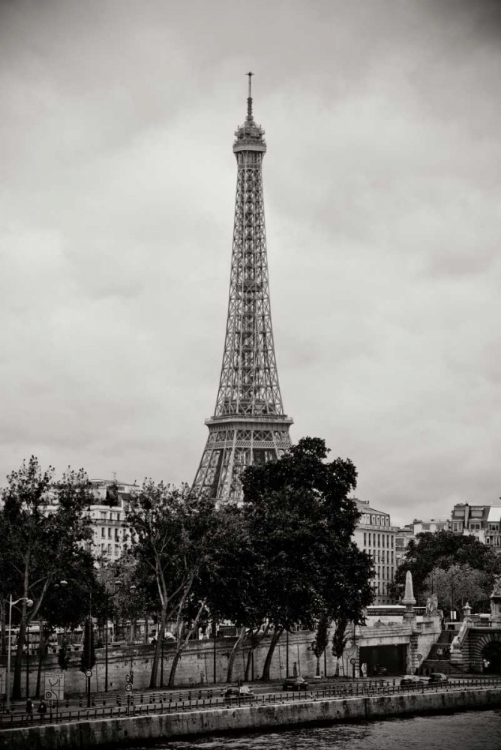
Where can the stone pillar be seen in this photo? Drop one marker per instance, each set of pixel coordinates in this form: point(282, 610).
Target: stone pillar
point(410, 619)
point(409, 599)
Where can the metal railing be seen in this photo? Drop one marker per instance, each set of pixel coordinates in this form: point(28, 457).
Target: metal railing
point(144, 704)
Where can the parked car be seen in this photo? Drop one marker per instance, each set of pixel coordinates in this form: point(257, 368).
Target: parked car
point(438, 678)
point(243, 692)
point(413, 680)
point(295, 683)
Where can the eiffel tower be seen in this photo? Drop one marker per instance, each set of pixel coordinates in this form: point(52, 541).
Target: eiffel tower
point(249, 426)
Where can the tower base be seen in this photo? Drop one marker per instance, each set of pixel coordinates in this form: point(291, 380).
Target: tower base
point(234, 443)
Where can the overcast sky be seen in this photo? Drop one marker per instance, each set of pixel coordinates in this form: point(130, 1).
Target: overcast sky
point(382, 194)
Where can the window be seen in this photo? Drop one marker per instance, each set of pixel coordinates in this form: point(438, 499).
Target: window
point(379, 540)
point(365, 538)
point(109, 532)
point(103, 531)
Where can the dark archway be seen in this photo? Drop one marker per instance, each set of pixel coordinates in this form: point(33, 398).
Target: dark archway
point(491, 658)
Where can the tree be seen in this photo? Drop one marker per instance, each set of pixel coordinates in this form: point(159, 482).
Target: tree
point(232, 582)
point(171, 529)
point(457, 585)
point(43, 522)
point(88, 654)
point(321, 640)
point(442, 549)
point(339, 640)
point(130, 590)
point(66, 603)
point(301, 522)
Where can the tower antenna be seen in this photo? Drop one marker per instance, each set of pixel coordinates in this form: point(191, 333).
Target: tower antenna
point(249, 98)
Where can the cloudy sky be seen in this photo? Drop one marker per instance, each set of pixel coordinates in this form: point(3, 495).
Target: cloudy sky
point(382, 191)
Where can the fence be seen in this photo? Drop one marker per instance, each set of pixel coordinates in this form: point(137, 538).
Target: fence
point(159, 702)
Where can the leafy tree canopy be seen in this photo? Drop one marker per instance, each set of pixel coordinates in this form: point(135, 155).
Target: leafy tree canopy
point(459, 584)
point(442, 549)
point(301, 523)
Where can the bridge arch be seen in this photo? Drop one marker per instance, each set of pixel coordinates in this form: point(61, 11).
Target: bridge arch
point(485, 652)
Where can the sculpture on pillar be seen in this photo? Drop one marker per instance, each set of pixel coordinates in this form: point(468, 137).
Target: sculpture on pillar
point(496, 590)
point(432, 606)
point(496, 601)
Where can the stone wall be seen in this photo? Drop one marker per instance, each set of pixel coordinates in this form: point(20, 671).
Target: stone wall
point(204, 660)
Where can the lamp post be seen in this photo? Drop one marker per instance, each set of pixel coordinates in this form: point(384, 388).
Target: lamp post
point(29, 603)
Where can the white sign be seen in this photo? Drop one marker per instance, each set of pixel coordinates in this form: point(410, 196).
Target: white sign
point(3, 673)
point(54, 686)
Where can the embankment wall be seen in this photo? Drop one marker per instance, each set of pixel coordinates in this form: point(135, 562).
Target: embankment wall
point(130, 731)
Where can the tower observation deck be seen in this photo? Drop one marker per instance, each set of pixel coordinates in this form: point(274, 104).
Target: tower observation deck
point(249, 426)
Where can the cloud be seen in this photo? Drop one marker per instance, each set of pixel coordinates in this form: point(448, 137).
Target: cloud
point(383, 219)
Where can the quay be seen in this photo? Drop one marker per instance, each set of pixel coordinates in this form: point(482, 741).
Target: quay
point(268, 712)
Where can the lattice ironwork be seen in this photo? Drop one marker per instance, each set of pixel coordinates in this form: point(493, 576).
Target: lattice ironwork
point(249, 425)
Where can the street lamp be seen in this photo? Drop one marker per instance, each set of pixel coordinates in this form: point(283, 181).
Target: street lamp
point(29, 603)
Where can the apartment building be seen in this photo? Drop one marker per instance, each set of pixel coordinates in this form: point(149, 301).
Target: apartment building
point(111, 536)
point(375, 535)
point(481, 521)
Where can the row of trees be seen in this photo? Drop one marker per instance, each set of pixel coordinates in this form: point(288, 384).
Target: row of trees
point(456, 568)
point(285, 557)
point(45, 560)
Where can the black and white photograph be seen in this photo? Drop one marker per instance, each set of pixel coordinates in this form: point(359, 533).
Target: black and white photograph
point(250, 374)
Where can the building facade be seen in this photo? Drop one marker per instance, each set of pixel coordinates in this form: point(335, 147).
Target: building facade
point(481, 521)
point(403, 535)
point(111, 535)
point(375, 535)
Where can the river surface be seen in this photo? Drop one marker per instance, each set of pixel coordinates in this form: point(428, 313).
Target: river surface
point(470, 730)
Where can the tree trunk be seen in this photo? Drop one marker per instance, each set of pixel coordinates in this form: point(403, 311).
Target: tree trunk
point(248, 664)
point(183, 637)
point(172, 673)
point(158, 648)
point(231, 661)
point(255, 640)
point(269, 656)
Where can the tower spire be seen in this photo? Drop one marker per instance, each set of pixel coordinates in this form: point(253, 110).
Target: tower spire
point(249, 425)
point(249, 97)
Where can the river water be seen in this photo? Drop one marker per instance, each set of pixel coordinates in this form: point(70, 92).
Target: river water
point(470, 730)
